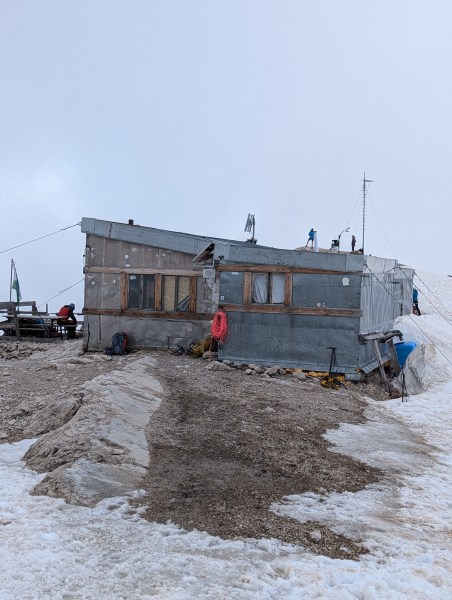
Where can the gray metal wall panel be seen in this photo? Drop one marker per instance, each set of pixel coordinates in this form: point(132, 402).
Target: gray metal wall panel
point(102, 290)
point(143, 333)
point(292, 340)
point(250, 254)
point(117, 254)
point(331, 291)
point(149, 236)
point(231, 288)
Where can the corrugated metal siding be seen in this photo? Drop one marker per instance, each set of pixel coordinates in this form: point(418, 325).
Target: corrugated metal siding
point(297, 341)
point(380, 302)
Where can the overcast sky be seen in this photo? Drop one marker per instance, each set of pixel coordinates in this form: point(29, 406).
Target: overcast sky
point(189, 115)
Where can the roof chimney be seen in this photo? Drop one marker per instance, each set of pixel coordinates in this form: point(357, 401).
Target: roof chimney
point(130, 221)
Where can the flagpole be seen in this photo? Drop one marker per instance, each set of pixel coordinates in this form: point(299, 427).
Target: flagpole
point(11, 280)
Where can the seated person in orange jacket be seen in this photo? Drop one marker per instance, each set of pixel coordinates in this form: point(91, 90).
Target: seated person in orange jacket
point(70, 321)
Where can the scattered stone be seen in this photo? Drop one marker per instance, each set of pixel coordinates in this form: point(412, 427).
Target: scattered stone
point(218, 366)
point(272, 371)
point(3, 435)
point(299, 376)
point(249, 371)
point(209, 355)
point(315, 535)
point(228, 362)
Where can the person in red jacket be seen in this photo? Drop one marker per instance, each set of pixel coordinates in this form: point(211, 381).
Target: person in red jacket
point(69, 321)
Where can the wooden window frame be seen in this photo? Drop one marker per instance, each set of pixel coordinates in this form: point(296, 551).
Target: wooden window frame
point(158, 291)
point(248, 287)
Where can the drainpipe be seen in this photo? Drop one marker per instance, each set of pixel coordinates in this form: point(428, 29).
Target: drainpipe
point(316, 242)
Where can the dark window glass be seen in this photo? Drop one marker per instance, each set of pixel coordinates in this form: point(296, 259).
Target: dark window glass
point(141, 292)
point(148, 292)
point(134, 292)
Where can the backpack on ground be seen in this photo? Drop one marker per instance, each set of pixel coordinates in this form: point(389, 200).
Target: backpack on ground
point(118, 344)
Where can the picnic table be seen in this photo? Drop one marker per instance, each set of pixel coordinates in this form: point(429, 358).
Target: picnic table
point(34, 325)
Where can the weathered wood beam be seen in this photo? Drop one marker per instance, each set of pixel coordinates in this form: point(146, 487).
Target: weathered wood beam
point(291, 310)
point(149, 314)
point(141, 271)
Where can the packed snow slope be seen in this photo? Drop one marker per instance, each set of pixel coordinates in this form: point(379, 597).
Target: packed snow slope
point(51, 549)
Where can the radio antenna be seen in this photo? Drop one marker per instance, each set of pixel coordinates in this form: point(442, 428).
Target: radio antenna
point(250, 227)
point(364, 189)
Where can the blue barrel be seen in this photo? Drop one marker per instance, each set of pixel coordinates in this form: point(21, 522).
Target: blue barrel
point(403, 349)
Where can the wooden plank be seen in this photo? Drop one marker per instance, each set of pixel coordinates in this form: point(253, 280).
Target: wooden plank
point(4, 305)
point(150, 314)
point(288, 290)
point(291, 310)
point(158, 291)
point(282, 269)
point(141, 271)
point(247, 287)
point(381, 368)
point(124, 290)
point(193, 290)
point(394, 358)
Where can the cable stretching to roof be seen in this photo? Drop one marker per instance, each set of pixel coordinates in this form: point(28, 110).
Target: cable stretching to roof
point(39, 238)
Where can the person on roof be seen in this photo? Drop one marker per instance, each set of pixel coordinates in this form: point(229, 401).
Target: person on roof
point(311, 237)
point(69, 321)
point(353, 243)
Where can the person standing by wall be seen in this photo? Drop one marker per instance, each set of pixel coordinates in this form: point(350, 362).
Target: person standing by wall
point(416, 302)
point(353, 243)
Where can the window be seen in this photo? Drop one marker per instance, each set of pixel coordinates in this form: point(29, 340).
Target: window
point(169, 293)
point(175, 293)
point(141, 292)
point(268, 288)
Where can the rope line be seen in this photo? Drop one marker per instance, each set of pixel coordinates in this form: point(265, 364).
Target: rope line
point(411, 316)
point(39, 238)
point(62, 292)
point(437, 299)
point(369, 196)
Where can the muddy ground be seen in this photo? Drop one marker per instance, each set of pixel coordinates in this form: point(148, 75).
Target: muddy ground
point(224, 446)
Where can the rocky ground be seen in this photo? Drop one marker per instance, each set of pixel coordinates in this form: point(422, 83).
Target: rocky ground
point(212, 447)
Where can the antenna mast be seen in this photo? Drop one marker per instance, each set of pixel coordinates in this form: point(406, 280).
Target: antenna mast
point(250, 226)
point(365, 182)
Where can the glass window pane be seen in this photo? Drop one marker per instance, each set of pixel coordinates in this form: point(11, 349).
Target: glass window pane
point(148, 292)
point(260, 288)
point(278, 284)
point(183, 293)
point(169, 293)
point(133, 300)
